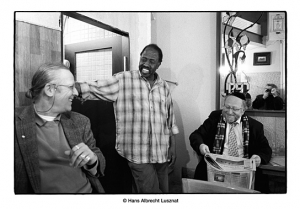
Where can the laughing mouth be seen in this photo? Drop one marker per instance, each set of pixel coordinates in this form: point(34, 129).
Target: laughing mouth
point(144, 70)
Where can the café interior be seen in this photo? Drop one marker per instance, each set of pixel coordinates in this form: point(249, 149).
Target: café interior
point(206, 55)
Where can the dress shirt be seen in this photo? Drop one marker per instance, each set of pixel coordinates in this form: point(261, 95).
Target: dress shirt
point(239, 138)
point(144, 116)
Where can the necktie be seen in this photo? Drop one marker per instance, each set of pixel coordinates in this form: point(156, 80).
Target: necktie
point(232, 143)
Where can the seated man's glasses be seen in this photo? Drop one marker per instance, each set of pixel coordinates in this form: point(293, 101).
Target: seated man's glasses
point(70, 87)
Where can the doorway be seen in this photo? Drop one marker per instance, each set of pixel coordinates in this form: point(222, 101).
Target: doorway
point(93, 49)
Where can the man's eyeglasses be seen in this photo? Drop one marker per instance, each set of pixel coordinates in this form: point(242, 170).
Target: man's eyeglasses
point(70, 87)
point(235, 109)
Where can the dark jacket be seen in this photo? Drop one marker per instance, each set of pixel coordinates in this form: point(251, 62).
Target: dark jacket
point(270, 103)
point(26, 163)
point(258, 143)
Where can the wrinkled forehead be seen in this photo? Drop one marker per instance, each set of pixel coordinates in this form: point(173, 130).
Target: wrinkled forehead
point(64, 77)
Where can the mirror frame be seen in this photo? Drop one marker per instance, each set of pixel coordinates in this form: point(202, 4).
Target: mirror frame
point(261, 113)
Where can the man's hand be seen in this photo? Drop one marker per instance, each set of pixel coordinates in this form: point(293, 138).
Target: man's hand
point(171, 157)
point(172, 151)
point(274, 92)
point(257, 159)
point(265, 95)
point(204, 149)
point(81, 155)
point(78, 88)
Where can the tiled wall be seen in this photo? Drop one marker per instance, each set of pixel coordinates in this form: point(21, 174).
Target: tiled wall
point(78, 31)
point(275, 132)
point(93, 65)
point(96, 65)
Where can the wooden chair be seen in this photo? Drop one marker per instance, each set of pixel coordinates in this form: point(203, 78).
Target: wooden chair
point(198, 186)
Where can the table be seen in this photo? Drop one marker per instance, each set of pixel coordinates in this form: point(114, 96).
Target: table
point(276, 172)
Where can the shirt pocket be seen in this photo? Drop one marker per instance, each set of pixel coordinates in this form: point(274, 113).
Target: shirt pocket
point(160, 103)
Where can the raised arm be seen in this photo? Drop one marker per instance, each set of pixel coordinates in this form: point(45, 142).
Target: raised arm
point(101, 89)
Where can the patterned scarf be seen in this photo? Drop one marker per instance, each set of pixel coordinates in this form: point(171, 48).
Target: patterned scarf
point(220, 135)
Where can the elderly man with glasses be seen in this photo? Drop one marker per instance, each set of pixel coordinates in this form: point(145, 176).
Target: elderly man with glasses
point(230, 132)
point(54, 150)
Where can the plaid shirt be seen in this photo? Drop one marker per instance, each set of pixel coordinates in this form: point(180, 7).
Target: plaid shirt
point(144, 116)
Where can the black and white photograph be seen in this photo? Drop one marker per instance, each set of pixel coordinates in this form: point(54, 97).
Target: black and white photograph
point(143, 108)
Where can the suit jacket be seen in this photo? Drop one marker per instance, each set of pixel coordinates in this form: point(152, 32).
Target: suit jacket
point(26, 163)
point(270, 103)
point(258, 143)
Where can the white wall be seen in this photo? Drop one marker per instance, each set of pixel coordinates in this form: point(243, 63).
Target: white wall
point(276, 58)
point(188, 42)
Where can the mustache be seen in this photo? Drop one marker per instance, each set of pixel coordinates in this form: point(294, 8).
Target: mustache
point(145, 67)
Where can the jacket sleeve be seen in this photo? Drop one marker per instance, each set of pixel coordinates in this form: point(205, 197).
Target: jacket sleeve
point(260, 144)
point(278, 103)
point(205, 133)
point(90, 141)
point(258, 102)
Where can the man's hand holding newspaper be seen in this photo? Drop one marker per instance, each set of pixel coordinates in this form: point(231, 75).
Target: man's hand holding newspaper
point(232, 171)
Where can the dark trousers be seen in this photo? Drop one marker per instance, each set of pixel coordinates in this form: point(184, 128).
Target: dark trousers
point(150, 177)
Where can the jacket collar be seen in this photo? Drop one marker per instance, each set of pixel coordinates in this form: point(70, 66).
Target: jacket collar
point(26, 138)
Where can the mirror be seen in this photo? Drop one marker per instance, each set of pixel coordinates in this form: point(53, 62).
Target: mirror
point(252, 55)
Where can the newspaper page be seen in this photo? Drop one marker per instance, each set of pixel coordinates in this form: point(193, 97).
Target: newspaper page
point(231, 171)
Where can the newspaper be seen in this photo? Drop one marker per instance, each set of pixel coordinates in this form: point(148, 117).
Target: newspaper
point(230, 171)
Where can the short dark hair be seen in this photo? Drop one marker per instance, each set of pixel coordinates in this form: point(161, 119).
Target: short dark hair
point(155, 47)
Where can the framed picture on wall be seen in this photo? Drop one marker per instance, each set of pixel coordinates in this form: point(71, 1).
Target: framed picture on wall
point(263, 58)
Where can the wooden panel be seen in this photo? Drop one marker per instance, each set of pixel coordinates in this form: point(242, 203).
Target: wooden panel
point(22, 59)
point(34, 45)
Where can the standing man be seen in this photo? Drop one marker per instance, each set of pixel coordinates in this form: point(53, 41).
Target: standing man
point(230, 132)
point(145, 119)
point(54, 147)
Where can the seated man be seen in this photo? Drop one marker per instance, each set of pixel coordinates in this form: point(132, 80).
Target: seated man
point(269, 100)
point(230, 132)
point(54, 148)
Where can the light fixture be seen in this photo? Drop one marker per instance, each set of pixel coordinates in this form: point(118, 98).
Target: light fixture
point(278, 23)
